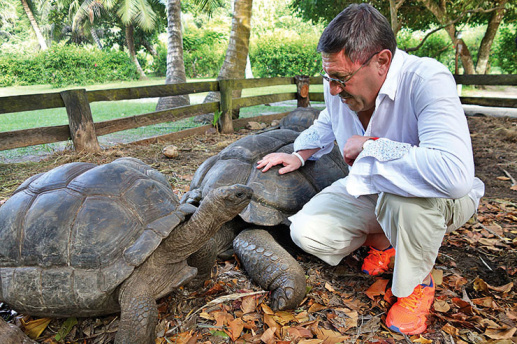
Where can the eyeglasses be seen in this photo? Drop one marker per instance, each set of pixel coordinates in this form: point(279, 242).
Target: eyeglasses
point(342, 82)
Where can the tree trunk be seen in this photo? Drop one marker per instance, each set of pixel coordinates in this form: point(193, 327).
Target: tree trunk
point(130, 41)
point(444, 18)
point(175, 65)
point(394, 8)
point(234, 65)
point(96, 38)
point(488, 38)
point(149, 47)
point(35, 26)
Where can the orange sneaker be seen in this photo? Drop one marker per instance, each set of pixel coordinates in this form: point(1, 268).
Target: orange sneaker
point(408, 314)
point(377, 261)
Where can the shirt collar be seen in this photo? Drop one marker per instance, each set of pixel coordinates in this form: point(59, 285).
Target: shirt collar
point(389, 87)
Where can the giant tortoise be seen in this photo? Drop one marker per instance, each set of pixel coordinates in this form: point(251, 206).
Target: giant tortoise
point(275, 198)
point(88, 240)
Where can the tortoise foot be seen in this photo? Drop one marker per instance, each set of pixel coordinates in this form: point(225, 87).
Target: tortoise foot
point(272, 267)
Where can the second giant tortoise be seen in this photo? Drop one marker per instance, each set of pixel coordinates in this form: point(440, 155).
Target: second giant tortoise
point(275, 198)
point(88, 240)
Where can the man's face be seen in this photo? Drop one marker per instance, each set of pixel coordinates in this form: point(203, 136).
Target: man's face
point(362, 81)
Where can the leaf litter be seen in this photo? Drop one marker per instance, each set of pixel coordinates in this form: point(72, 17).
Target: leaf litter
point(475, 272)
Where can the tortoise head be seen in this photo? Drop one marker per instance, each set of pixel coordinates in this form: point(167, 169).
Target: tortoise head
point(230, 200)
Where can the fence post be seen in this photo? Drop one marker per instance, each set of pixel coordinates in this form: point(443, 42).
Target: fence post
point(302, 90)
point(226, 89)
point(82, 129)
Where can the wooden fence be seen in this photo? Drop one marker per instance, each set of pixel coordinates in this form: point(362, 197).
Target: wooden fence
point(83, 131)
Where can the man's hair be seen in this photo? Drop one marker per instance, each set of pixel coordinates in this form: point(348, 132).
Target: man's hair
point(360, 30)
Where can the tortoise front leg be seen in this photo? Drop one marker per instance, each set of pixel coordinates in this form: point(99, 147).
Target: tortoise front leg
point(138, 316)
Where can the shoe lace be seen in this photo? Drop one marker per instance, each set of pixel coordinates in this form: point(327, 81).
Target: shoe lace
point(375, 254)
point(412, 301)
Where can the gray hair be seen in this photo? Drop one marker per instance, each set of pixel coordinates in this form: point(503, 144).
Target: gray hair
point(360, 30)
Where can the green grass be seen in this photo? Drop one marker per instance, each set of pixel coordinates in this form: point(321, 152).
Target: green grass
point(103, 111)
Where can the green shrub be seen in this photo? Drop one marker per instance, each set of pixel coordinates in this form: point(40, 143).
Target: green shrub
point(285, 54)
point(505, 48)
point(66, 65)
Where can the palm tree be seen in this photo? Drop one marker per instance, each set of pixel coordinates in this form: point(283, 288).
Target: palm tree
point(175, 65)
point(234, 65)
point(131, 13)
point(34, 24)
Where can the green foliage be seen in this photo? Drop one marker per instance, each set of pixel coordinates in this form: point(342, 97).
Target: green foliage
point(285, 54)
point(437, 46)
point(65, 65)
point(203, 54)
point(505, 50)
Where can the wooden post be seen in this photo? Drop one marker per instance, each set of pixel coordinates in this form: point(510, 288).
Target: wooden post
point(82, 129)
point(226, 89)
point(302, 90)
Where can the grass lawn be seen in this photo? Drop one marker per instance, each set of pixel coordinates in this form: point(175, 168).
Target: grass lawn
point(102, 111)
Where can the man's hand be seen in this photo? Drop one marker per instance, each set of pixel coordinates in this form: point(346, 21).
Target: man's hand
point(290, 162)
point(354, 146)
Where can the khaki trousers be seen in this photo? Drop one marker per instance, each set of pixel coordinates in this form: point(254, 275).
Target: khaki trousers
point(334, 223)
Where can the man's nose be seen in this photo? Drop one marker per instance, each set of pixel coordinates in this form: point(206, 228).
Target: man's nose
point(335, 88)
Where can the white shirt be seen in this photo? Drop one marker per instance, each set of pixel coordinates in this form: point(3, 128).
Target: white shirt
point(425, 148)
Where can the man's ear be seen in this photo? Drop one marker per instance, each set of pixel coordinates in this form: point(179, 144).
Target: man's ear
point(384, 61)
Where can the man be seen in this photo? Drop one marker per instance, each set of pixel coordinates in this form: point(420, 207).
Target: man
point(400, 125)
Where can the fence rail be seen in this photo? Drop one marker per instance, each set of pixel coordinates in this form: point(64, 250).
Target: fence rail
point(83, 131)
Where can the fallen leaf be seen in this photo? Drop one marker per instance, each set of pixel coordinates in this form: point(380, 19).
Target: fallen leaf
point(500, 333)
point(437, 276)
point(377, 288)
point(480, 285)
point(448, 328)
point(513, 187)
point(268, 336)
point(441, 306)
point(66, 328)
point(503, 178)
point(421, 339)
point(34, 328)
point(283, 317)
point(316, 307)
point(266, 309)
point(235, 328)
point(329, 287)
point(249, 304)
point(484, 302)
point(502, 289)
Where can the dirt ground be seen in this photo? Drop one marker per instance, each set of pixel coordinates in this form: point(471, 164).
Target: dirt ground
point(476, 300)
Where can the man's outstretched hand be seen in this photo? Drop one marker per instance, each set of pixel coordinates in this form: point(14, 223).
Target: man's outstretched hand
point(289, 161)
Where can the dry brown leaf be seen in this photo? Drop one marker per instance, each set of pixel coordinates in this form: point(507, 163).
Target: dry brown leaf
point(480, 285)
point(266, 309)
point(269, 320)
point(513, 187)
point(502, 289)
point(487, 302)
point(329, 287)
point(183, 338)
point(268, 336)
point(310, 341)
point(448, 328)
point(437, 276)
point(34, 328)
point(421, 339)
point(302, 317)
point(377, 288)
point(316, 307)
point(441, 306)
point(235, 328)
point(249, 304)
point(499, 333)
point(283, 317)
point(222, 318)
point(299, 332)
